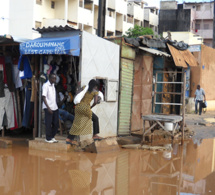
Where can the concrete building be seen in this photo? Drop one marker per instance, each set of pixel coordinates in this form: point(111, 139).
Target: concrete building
point(151, 18)
point(81, 14)
point(192, 17)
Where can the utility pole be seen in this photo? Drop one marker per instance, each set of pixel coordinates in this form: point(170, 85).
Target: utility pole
point(214, 26)
point(101, 18)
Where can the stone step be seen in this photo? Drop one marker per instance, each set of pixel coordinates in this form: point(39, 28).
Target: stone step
point(102, 146)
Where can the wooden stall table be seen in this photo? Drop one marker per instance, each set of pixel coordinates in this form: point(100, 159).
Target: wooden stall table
point(158, 119)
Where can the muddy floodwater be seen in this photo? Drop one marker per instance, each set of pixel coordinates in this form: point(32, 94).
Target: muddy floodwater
point(186, 170)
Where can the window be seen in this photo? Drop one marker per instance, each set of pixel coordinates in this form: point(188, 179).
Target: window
point(52, 4)
point(206, 26)
point(197, 26)
point(111, 13)
point(102, 86)
point(156, 29)
point(207, 7)
point(80, 3)
point(198, 8)
point(124, 18)
point(39, 2)
point(38, 24)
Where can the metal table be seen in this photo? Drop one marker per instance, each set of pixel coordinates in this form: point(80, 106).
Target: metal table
point(157, 119)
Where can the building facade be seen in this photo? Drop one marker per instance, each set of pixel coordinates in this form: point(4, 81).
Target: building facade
point(190, 17)
point(120, 15)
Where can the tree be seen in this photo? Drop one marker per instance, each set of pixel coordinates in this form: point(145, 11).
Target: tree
point(138, 31)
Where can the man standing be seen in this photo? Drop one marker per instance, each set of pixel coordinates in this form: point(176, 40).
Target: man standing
point(51, 109)
point(199, 94)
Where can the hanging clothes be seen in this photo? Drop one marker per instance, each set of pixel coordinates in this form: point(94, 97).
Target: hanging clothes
point(24, 67)
point(9, 73)
point(6, 106)
point(28, 108)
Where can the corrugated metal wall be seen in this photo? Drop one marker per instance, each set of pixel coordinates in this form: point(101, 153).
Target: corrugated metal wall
point(126, 96)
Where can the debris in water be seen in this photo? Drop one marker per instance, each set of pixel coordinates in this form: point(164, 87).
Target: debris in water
point(147, 147)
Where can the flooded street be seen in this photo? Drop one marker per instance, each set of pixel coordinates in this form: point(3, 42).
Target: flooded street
point(186, 170)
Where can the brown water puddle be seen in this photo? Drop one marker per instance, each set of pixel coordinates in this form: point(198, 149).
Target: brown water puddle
point(188, 169)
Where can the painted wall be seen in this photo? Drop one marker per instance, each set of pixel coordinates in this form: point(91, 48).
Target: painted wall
point(21, 18)
point(100, 58)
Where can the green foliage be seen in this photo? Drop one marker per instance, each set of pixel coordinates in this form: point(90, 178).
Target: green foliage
point(138, 31)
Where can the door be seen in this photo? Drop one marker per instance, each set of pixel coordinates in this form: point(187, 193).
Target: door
point(126, 96)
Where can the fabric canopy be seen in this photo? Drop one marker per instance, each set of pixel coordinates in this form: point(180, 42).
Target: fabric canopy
point(45, 46)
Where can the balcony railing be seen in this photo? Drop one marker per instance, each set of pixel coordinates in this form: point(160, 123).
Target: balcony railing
point(85, 16)
point(110, 23)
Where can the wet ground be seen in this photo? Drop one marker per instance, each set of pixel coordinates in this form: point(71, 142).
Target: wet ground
point(187, 169)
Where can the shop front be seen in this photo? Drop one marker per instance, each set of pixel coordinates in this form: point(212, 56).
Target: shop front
point(76, 58)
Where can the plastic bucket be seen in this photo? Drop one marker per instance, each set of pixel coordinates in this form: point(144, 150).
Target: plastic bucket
point(168, 126)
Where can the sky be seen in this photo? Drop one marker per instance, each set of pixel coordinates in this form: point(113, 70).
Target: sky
point(157, 2)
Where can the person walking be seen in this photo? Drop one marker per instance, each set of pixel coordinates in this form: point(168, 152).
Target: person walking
point(50, 108)
point(199, 96)
point(82, 124)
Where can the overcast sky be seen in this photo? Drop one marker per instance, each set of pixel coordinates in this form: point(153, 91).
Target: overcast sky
point(157, 2)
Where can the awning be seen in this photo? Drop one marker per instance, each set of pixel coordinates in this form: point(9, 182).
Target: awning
point(155, 52)
point(59, 45)
point(182, 58)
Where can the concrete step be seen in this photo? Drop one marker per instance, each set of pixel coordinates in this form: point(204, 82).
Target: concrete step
point(4, 143)
point(40, 144)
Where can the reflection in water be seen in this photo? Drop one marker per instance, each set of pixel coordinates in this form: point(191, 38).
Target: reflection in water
point(188, 169)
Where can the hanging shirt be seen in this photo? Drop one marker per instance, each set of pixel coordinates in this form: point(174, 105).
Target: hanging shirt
point(50, 93)
point(24, 67)
point(199, 94)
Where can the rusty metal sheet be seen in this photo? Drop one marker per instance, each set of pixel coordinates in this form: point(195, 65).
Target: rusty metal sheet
point(189, 58)
point(142, 99)
point(177, 57)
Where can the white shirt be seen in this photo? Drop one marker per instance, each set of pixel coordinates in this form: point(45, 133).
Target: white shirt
point(199, 94)
point(50, 93)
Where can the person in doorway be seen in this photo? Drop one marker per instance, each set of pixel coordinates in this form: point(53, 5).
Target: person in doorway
point(84, 116)
point(61, 99)
point(51, 109)
point(199, 96)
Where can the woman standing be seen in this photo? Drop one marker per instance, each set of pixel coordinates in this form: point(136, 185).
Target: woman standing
point(82, 124)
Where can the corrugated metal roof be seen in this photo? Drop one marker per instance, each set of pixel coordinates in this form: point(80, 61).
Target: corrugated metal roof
point(55, 29)
point(182, 57)
point(154, 51)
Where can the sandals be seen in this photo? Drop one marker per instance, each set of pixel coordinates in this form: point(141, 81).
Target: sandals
point(97, 138)
point(72, 143)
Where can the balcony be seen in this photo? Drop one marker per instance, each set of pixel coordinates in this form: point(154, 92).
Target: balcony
point(204, 15)
point(110, 23)
point(136, 11)
point(121, 7)
point(206, 34)
point(153, 19)
point(112, 4)
point(85, 16)
point(126, 26)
